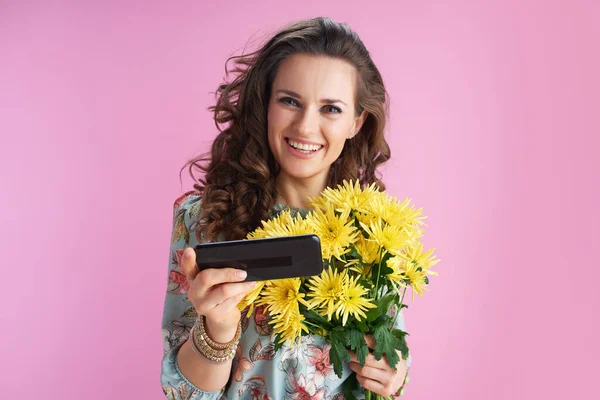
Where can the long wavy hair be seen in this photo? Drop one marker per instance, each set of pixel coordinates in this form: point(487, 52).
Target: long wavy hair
point(237, 176)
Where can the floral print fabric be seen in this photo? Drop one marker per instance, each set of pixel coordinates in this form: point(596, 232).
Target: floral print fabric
point(302, 372)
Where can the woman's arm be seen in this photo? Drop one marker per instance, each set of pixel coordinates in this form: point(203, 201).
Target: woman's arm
point(184, 374)
point(201, 372)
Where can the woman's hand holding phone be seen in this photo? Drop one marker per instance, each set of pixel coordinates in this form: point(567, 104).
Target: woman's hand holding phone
point(215, 293)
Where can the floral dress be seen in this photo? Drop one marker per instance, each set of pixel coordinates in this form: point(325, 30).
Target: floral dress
point(258, 372)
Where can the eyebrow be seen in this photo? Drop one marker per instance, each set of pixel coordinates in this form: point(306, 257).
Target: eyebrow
point(294, 94)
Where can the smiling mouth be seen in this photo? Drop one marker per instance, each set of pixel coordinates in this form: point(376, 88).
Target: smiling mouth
point(304, 148)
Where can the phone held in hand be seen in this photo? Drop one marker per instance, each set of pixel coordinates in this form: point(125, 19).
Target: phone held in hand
point(265, 259)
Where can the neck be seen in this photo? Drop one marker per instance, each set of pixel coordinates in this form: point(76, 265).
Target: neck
point(295, 192)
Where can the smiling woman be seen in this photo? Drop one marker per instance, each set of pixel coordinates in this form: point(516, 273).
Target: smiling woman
point(304, 112)
point(239, 186)
point(311, 115)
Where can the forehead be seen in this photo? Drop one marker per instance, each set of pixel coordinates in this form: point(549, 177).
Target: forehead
point(317, 77)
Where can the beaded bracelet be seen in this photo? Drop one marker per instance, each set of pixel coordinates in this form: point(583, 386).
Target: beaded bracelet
point(213, 344)
point(400, 391)
point(204, 347)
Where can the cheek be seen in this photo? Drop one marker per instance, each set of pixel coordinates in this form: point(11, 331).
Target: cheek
point(338, 133)
point(276, 126)
point(276, 120)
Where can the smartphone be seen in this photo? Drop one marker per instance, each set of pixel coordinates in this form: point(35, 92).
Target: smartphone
point(265, 259)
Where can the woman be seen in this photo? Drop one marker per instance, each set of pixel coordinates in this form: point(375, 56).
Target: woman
point(305, 111)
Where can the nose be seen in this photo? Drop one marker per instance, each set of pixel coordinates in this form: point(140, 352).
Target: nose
point(308, 122)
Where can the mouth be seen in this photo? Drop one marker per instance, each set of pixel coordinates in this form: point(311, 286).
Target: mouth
point(303, 147)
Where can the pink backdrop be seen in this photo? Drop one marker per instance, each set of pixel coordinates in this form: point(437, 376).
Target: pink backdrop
point(494, 132)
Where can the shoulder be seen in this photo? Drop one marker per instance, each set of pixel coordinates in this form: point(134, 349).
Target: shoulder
point(186, 209)
point(186, 200)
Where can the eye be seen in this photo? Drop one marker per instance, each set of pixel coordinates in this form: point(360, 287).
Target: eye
point(289, 101)
point(332, 109)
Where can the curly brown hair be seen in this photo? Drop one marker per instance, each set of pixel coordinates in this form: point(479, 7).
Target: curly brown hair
point(238, 184)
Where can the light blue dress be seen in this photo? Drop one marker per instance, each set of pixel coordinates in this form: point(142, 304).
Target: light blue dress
point(258, 372)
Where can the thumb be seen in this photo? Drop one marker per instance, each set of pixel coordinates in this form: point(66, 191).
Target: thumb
point(188, 264)
point(371, 342)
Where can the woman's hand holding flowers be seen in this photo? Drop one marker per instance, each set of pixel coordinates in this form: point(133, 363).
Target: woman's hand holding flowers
point(378, 376)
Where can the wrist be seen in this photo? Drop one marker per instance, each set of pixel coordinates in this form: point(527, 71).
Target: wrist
point(220, 332)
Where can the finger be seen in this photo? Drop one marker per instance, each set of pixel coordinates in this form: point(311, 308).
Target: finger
point(188, 264)
point(215, 276)
point(371, 361)
point(371, 372)
point(373, 386)
point(228, 305)
point(353, 357)
point(370, 341)
point(223, 292)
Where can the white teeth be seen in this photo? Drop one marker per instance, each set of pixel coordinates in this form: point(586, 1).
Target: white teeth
point(305, 147)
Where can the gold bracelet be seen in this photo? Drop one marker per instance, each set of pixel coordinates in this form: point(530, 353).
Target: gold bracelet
point(400, 391)
point(217, 346)
point(202, 349)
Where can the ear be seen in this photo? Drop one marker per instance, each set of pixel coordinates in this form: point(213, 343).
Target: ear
point(358, 123)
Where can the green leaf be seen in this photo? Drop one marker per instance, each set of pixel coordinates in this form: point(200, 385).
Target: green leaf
point(349, 386)
point(313, 316)
point(401, 336)
point(338, 352)
point(362, 326)
point(387, 344)
point(382, 306)
point(353, 253)
point(385, 258)
point(278, 342)
point(385, 270)
point(358, 345)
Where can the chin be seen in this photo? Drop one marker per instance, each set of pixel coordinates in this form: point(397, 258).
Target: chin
point(300, 173)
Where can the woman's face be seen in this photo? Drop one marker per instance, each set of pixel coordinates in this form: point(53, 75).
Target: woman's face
point(311, 114)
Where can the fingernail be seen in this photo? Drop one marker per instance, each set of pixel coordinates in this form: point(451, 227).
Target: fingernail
point(251, 283)
point(241, 274)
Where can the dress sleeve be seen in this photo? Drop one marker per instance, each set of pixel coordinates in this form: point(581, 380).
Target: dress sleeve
point(179, 314)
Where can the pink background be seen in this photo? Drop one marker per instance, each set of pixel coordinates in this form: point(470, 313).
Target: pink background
point(494, 130)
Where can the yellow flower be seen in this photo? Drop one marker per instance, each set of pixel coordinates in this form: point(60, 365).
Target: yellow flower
point(325, 291)
point(414, 254)
point(368, 250)
point(368, 218)
point(290, 328)
point(347, 197)
point(282, 225)
point(282, 296)
point(336, 232)
point(412, 267)
point(352, 301)
point(391, 211)
point(258, 233)
point(369, 254)
point(390, 237)
point(397, 277)
point(416, 278)
point(250, 298)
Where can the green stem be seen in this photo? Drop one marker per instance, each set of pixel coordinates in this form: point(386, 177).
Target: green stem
point(399, 307)
point(378, 273)
point(320, 331)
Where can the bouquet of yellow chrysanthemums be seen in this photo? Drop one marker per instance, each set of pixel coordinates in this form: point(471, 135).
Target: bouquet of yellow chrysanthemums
point(372, 253)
